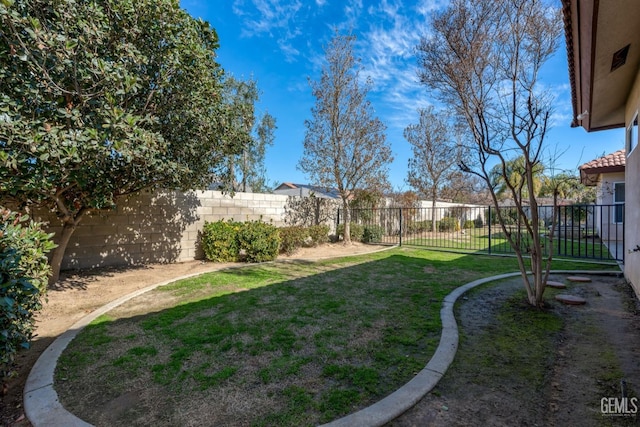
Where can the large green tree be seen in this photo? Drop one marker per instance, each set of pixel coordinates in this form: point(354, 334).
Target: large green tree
point(345, 143)
point(567, 186)
point(254, 173)
point(512, 175)
point(246, 170)
point(101, 99)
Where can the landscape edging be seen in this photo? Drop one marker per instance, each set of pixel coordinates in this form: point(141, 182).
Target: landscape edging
point(404, 398)
point(43, 408)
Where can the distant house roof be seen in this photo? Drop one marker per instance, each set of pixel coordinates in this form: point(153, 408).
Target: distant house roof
point(305, 190)
point(611, 163)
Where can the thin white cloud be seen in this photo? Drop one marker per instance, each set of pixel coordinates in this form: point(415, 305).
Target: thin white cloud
point(387, 49)
point(265, 16)
point(290, 52)
point(426, 7)
point(352, 12)
point(273, 18)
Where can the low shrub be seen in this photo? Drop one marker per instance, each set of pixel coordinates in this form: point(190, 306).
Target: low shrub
point(414, 227)
point(448, 224)
point(24, 272)
point(355, 231)
point(258, 241)
point(292, 238)
point(319, 234)
point(478, 223)
point(372, 233)
point(469, 224)
point(220, 240)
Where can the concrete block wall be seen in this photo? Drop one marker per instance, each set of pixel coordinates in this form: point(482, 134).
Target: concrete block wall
point(159, 227)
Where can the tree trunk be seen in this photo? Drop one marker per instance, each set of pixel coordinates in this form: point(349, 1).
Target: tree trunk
point(316, 213)
point(551, 235)
point(68, 228)
point(347, 222)
point(433, 214)
point(244, 170)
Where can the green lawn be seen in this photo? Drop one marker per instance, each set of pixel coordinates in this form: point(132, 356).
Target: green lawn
point(305, 342)
point(477, 240)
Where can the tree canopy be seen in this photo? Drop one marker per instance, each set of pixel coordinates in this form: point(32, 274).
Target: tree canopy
point(567, 186)
point(436, 155)
point(345, 143)
point(512, 175)
point(105, 98)
point(245, 170)
point(483, 60)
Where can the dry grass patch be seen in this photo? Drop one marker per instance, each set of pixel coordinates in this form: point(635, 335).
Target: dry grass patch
point(305, 344)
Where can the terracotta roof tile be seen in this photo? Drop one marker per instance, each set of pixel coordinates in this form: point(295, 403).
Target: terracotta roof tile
point(613, 160)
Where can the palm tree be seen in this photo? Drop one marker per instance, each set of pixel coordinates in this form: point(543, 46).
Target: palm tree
point(514, 171)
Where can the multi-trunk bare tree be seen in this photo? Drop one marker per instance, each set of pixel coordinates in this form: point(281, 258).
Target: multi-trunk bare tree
point(483, 60)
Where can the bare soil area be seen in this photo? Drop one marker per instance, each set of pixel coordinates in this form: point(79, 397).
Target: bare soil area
point(596, 349)
point(78, 293)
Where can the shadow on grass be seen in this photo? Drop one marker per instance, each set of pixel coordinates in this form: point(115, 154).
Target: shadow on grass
point(293, 343)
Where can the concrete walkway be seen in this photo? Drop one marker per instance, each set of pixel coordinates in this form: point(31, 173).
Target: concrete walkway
point(43, 407)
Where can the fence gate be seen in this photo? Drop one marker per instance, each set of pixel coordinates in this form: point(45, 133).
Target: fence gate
point(594, 232)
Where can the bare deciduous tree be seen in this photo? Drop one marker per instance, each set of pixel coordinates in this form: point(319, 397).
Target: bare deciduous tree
point(483, 60)
point(435, 155)
point(466, 188)
point(345, 144)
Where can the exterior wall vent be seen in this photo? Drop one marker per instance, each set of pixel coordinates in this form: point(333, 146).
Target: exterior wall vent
point(619, 58)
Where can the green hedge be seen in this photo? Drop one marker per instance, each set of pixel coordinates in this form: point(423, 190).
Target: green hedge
point(355, 231)
point(258, 241)
point(24, 272)
point(372, 233)
point(294, 237)
point(469, 224)
point(220, 240)
point(448, 224)
point(319, 234)
point(229, 241)
point(414, 227)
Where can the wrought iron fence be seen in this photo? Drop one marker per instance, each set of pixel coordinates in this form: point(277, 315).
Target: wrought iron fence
point(593, 232)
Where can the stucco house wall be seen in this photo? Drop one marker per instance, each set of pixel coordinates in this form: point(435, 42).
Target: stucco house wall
point(604, 62)
point(632, 196)
point(604, 191)
point(610, 231)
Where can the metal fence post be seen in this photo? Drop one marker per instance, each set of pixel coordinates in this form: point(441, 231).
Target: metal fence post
point(400, 209)
point(489, 214)
point(558, 229)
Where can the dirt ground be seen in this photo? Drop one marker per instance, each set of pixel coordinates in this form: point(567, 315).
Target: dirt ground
point(598, 346)
point(78, 293)
point(572, 397)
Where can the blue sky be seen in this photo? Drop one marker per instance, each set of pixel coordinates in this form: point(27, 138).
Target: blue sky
point(279, 43)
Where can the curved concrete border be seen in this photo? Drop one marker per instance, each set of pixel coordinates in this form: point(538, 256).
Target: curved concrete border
point(43, 408)
point(409, 394)
point(41, 404)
